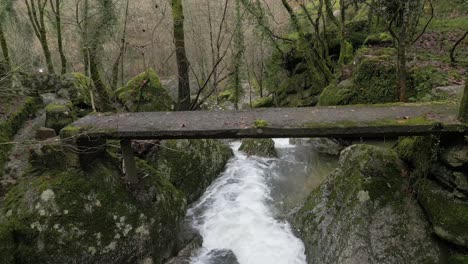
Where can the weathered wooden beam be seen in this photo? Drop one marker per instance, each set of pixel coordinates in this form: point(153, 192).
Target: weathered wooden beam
point(129, 161)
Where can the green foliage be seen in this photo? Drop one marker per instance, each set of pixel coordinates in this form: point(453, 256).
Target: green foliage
point(144, 93)
point(425, 79)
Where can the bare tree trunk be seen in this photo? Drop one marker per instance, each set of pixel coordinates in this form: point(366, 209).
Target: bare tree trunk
point(119, 60)
point(36, 17)
point(464, 105)
point(4, 46)
point(184, 102)
point(58, 26)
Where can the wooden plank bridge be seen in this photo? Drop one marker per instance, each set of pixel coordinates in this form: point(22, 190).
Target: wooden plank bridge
point(344, 121)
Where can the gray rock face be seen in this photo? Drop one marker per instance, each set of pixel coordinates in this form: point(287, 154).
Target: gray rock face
point(453, 180)
point(363, 214)
point(222, 256)
point(259, 147)
point(44, 133)
point(327, 146)
point(456, 156)
point(446, 211)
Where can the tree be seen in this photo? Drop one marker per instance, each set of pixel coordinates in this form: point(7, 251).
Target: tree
point(6, 8)
point(184, 101)
point(36, 14)
point(101, 16)
point(56, 6)
point(123, 43)
point(403, 19)
point(239, 49)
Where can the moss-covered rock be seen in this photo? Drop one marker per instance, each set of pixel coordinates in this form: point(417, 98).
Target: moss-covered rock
point(69, 215)
point(381, 39)
point(144, 93)
point(58, 116)
point(263, 102)
point(363, 214)
point(12, 124)
point(259, 147)
point(340, 94)
point(191, 165)
point(447, 213)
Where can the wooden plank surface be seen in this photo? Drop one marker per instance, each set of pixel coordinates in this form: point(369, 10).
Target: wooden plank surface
point(343, 121)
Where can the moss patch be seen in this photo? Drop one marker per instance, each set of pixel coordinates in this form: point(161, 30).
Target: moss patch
point(144, 93)
point(11, 126)
point(259, 147)
point(191, 165)
point(91, 217)
point(447, 213)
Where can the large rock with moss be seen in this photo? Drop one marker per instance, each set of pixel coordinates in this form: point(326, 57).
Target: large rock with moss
point(66, 215)
point(446, 211)
point(191, 165)
point(58, 116)
point(144, 93)
point(259, 147)
point(363, 214)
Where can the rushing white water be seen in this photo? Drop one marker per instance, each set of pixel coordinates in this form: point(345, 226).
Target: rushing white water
point(237, 213)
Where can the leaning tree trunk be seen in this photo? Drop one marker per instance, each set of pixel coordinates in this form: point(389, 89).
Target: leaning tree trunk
point(464, 105)
point(184, 102)
point(4, 46)
point(105, 103)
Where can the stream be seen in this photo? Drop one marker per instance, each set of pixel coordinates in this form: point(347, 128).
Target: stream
point(244, 209)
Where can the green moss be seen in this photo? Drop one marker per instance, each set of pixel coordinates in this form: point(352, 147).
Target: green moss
point(191, 165)
point(336, 94)
point(447, 213)
point(260, 123)
point(91, 217)
point(11, 126)
point(137, 95)
point(58, 116)
point(263, 102)
point(382, 38)
point(259, 147)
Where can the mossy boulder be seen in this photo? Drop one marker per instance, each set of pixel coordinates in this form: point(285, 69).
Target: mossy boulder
point(144, 93)
point(447, 213)
point(380, 39)
point(58, 116)
point(70, 215)
point(12, 124)
point(340, 94)
point(259, 147)
point(263, 102)
point(191, 165)
point(363, 213)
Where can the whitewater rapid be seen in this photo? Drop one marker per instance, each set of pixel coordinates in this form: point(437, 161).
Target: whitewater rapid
point(238, 213)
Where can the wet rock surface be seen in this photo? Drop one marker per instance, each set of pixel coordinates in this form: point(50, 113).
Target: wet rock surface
point(363, 214)
point(259, 147)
